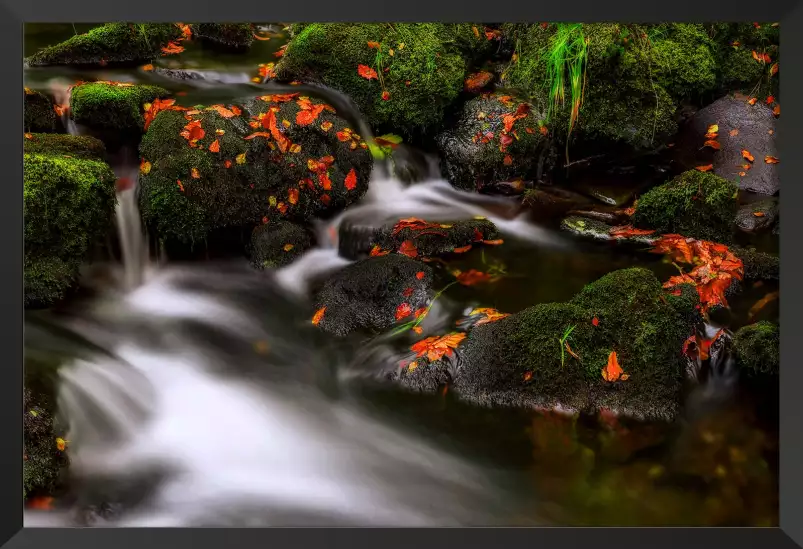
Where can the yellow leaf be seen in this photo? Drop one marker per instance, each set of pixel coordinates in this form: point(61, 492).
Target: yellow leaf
point(272, 201)
point(412, 366)
point(240, 159)
point(288, 247)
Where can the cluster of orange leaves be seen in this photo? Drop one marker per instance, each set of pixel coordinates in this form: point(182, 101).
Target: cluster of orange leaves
point(488, 315)
point(174, 47)
point(716, 267)
point(713, 134)
point(436, 347)
point(613, 371)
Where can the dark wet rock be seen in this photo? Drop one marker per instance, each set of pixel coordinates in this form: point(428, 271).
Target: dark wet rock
point(180, 74)
point(40, 115)
point(610, 218)
point(234, 36)
point(68, 207)
point(113, 43)
point(355, 241)
point(599, 230)
point(422, 78)
point(610, 195)
point(757, 348)
point(483, 150)
point(249, 180)
point(426, 378)
point(695, 204)
point(277, 244)
point(75, 146)
point(42, 460)
point(758, 265)
point(747, 219)
point(518, 361)
point(754, 124)
point(547, 201)
point(113, 106)
point(374, 294)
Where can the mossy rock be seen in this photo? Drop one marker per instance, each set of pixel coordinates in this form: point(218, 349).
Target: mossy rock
point(249, 179)
point(75, 146)
point(758, 265)
point(733, 48)
point(68, 207)
point(481, 151)
point(113, 43)
point(277, 244)
point(40, 116)
point(695, 204)
point(518, 359)
point(757, 348)
point(115, 106)
point(636, 76)
point(236, 36)
point(42, 460)
point(422, 78)
point(374, 294)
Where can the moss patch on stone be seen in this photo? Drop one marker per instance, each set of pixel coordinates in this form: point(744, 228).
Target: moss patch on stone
point(277, 244)
point(113, 106)
point(75, 146)
point(40, 115)
point(694, 204)
point(113, 43)
point(68, 206)
point(42, 460)
point(757, 348)
point(422, 78)
point(737, 70)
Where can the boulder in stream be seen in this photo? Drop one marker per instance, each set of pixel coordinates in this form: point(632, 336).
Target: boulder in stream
point(40, 115)
point(112, 43)
point(68, 208)
point(497, 139)
point(113, 106)
point(43, 455)
point(758, 216)
point(268, 158)
point(374, 294)
point(66, 145)
point(695, 204)
point(233, 36)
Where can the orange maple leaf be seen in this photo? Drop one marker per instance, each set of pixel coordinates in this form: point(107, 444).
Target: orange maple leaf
point(403, 311)
point(215, 146)
point(434, 347)
point(351, 180)
point(408, 248)
point(612, 371)
point(366, 72)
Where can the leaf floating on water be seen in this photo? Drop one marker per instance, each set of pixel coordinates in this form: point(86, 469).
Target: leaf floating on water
point(761, 303)
point(472, 277)
point(434, 347)
point(172, 48)
point(318, 316)
point(771, 160)
point(747, 156)
point(44, 503)
point(706, 168)
point(366, 72)
point(612, 371)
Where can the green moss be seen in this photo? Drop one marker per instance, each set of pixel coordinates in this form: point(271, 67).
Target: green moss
point(694, 204)
point(737, 70)
point(230, 35)
point(423, 77)
point(42, 461)
point(112, 106)
point(68, 206)
point(758, 265)
point(682, 59)
point(76, 146)
point(40, 115)
point(757, 348)
point(276, 244)
point(110, 43)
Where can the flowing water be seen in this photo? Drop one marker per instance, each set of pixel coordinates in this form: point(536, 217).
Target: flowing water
point(200, 394)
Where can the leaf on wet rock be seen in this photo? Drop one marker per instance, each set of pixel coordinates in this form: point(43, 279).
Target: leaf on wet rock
point(318, 316)
point(747, 156)
point(712, 144)
point(706, 168)
point(628, 231)
point(408, 248)
point(771, 160)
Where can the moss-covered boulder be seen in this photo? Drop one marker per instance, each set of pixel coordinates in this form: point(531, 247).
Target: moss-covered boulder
point(42, 458)
point(117, 106)
point(40, 116)
point(736, 68)
point(757, 348)
point(758, 265)
point(68, 207)
point(412, 72)
point(695, 204)
point(636, 76)
point(275, 157)
point(497, 139)
point(277, 244)
point(68, 146)
point(428, 239)
point(373, 295)
point(113, 43)
point(235, 36)
point(523, 359)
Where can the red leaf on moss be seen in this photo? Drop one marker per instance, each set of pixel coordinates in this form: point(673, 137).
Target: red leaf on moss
point(308, 116)
point(475, 82)
point(366, 72)
point(419, 275)
point(462, 249)
point(385, 95)
point(318, 316)
point(612, 371)
point(595, 321)
point(435, 347)
point(408, 248)
point(351, 180)
point(292, 196)
point(374, 45)
point(257, 134)
point(376, 251)
point(280, 138)
point(403, 311)
point(215, 146)
point(706, 168)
